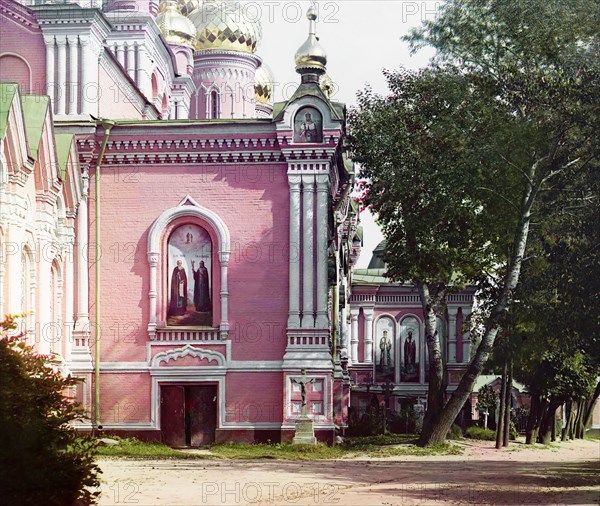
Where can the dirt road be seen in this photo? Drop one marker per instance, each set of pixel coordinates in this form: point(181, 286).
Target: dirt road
point(569, 475)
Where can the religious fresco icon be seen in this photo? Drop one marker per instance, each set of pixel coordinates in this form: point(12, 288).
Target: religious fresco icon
point(189, 282)
point(384, 351)
point(409, 370)
point(308, 125)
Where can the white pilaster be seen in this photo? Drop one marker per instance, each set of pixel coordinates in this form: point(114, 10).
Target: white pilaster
point(120, 53)
point(68, 285)
point(50, 70)
point(294, 293)
point(61, 75)
point(466, 337)
point(152, 293)
point(144, 72)
point(452, 311)
point(224, 327)
point(89, 77)
point(44, 318)
point(322, 229)
point(308, 237)
point(73, 73)
point(130, 48)
point(83, 323)
point(368, 312)
point(354, 335)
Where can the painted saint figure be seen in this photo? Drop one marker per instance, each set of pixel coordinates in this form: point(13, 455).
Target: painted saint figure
point(201, 288)
point(178, 301)
point(385, 348)
point(410, 352)
point(308, 129)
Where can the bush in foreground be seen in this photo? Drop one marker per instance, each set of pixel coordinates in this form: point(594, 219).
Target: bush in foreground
point(480, 433)
point(43, 459)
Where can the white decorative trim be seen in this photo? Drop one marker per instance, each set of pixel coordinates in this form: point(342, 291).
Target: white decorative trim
point(184, 351)
point(188, 207)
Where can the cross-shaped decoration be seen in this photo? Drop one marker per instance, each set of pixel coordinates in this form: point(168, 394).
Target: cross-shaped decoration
point(303, 381)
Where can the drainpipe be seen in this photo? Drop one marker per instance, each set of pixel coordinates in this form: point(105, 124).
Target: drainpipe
point(107, 125)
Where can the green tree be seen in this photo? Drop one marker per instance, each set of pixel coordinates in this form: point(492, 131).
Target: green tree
point(43, 459)
point(478, 153)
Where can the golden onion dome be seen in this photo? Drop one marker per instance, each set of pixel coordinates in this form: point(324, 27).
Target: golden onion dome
point(327, 85)
point(263, 85)
point(310, 55)
point(225, 25)
point(187, 6)
point(176, 28)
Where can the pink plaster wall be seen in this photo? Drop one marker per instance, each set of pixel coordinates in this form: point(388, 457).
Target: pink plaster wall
point(19, 62)
point(254, 397)
point(125, 398)
point(113, 103)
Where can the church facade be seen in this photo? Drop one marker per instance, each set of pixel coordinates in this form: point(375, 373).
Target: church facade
point(181, 243)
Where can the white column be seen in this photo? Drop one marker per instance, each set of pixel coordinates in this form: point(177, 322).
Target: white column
point(368, 312)
point(354, 335)
point(294, 293)
point(343, 329)
point(73, 73)
point(44, 317)
point(144, 72)
point(152, 293)
point(322, 227)
point(61, 76)
point(131, 60)
point(452, 311)
point(120, 53)
point(89, 77)
point(224, 327)
point(83, 322)
point(50, 73)
point(308, 282)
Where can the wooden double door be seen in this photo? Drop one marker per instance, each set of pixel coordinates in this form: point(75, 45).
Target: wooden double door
point(188, 414)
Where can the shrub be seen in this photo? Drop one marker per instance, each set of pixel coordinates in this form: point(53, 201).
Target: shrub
point(455, 432)
point(480, 433)
point(43, 459)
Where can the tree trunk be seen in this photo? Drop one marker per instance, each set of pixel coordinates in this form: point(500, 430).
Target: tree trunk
point(579, 428)
point(548, 421)
point(531, 421)
point(542, 415)
point(436, 389)
point(568, 416)
point(500, 424)
point(440, 427)
point(507, 403)
point(571, 430)
point(589, 409)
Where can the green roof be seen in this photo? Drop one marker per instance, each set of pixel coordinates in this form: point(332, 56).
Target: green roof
point(7, 94)
point(369, 276)
point(309, 89)
point(63, 147)
point(35, 108)
point(486, 379)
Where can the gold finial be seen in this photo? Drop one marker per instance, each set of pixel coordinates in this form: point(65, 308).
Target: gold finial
point(311, 57)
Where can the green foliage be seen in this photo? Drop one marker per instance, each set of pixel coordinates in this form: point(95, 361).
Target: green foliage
point(134, 448)
point(480, 433)
point(486, 398)
point(42, 457)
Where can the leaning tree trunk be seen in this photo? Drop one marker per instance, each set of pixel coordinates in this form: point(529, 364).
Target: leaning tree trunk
point(589, 406)
point(436, 433)
point(507, 403)
point(579, 427)
point(436, 389)
point(500, 424)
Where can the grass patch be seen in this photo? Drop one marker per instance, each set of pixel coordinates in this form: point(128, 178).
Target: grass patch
point(371, 447)
point(134, 448)
point(480, 433)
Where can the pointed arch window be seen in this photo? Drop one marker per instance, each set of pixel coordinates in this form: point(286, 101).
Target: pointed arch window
point(214, 104)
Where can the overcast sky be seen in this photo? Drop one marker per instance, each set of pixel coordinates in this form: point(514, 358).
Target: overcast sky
point(361, 38)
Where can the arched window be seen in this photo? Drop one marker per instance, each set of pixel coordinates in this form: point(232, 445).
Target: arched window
point(385, 350)
point(214, 104)
point(308, 125)
point(189, 284)
point(410, 346)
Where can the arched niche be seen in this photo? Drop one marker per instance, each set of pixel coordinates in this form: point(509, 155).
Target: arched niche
point(172, 221)
point(410, 349)
point(308, 125)
point(385, 349)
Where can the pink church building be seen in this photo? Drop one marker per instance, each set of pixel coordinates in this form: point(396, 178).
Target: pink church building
point(182, 243)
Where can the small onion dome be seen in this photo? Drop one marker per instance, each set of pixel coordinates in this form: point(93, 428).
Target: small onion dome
point(225, 25)
point(263, 85)
point(311, 56)
point(176, 28)
point(326, 84)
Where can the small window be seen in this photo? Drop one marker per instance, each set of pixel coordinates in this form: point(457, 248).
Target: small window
point(214, 104)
